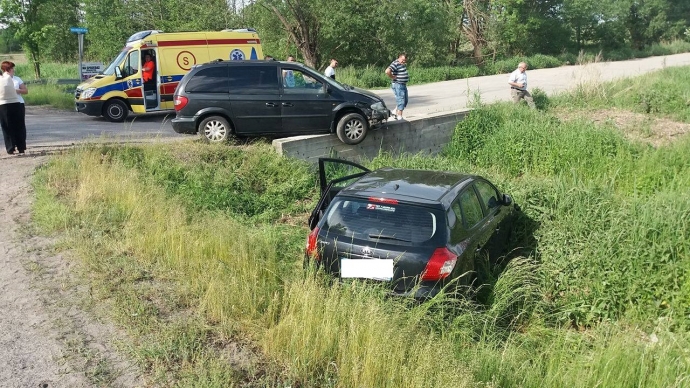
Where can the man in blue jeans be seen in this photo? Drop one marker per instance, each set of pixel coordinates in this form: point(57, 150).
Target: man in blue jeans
point(397, 72)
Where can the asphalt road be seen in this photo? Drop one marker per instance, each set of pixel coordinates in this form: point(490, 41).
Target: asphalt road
point(47, 127)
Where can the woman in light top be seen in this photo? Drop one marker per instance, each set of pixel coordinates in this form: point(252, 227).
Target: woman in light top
point(11, 112)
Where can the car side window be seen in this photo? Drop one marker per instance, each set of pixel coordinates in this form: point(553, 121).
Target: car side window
point(297, 82)
point(470, 208)
point(253, 80)
point(209, 80)
point(488, 195)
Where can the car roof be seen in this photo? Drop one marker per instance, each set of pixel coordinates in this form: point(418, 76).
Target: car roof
point(408, 185)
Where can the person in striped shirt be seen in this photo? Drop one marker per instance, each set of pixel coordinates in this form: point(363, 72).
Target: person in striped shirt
point(397, 72)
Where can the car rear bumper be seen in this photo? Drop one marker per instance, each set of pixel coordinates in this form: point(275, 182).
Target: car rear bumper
point(91, 108)
point(184, 125)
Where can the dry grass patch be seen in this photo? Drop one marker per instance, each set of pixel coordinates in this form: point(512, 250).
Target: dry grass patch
point(635, 126)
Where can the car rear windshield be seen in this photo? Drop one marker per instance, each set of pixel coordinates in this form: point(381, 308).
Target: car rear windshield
point(364, 219)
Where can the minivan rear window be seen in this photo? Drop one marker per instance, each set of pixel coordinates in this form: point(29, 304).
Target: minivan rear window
point(209, 80)
point(364, 219)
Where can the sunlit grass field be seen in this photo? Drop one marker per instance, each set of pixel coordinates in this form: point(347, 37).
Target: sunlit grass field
point(197, 251)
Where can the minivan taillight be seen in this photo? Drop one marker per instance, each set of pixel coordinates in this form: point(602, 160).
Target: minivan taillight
point(180, 102)
point(312, 249)
point(440, 264)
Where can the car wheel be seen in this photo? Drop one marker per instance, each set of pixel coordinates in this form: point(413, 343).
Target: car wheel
point(352, 128)
point(115, 110)
point(215, 129)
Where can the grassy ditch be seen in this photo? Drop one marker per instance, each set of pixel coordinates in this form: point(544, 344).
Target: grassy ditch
point(197, 250)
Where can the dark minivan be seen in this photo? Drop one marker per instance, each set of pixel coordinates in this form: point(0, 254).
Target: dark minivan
point(222, 99)
point(416, 230)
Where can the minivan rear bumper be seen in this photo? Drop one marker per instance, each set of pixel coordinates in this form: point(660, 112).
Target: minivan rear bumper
point(184, 125)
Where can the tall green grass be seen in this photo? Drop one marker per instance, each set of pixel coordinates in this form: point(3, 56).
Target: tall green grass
point(197, 252)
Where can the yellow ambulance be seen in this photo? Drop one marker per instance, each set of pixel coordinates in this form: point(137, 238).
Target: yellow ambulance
point(120, 88)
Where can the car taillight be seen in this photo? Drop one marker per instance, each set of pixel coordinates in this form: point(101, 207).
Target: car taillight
point(312, 249)
point(440, 264)
point(180, 102)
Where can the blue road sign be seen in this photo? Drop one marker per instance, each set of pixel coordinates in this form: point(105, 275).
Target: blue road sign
point(78, 30)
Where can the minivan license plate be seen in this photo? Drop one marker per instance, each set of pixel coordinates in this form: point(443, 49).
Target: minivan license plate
point(377, 269)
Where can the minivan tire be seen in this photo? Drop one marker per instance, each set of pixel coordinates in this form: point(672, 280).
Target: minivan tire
point(115, 110)
point(215, 129)
point(352, 128)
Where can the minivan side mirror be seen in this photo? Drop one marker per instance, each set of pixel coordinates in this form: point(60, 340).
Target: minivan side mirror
point(507, 199)
point(118, 72)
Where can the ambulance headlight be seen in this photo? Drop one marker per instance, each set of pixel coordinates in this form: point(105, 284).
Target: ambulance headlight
point(88, 92)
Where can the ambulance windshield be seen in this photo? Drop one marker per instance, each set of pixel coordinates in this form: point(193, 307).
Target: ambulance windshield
point(110, 70)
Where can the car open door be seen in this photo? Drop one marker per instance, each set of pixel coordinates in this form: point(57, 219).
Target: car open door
point(334, 175)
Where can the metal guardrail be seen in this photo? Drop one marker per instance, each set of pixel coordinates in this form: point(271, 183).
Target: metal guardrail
point(53, 81)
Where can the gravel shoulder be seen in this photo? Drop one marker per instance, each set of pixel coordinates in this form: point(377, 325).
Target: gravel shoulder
point(50, 335)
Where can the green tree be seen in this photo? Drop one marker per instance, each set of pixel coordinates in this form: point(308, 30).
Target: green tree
point(582, 16)
point(317, 30)
point(61, 45)
point(29, 24)
point(111, 22)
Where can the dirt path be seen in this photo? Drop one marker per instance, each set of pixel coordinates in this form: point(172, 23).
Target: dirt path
point(46, 337)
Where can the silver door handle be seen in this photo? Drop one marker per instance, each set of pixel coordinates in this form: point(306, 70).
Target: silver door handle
point(271, 104)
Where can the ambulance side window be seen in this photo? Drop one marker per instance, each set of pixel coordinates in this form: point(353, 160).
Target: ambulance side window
point(131, 65)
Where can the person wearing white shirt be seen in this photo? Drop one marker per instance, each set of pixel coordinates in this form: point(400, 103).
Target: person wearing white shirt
point(330, 70)
point(518, 85)
point(11, 116)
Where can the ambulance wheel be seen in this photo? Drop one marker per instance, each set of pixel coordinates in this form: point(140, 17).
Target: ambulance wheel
point(215, 129)
point(115, 110)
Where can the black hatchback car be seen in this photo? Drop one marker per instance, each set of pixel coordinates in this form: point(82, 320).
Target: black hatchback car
point(259, 98)
point(414, 229)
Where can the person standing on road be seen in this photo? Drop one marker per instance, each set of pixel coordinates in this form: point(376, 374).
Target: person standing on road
point(289, 75)
point(21, 89)
point(330, 70)
point(518, 85)
point(13, 133)
point(397, 72)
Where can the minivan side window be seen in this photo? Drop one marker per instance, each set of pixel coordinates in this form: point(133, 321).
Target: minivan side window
point(209, 80)
point(471, 208)
point(488, 195)
point(253, 80)
point(297, 82)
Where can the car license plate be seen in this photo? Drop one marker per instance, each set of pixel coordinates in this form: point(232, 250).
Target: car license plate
point(377, 269)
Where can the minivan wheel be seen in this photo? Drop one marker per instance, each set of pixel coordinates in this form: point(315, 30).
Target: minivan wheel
point(215, 129)
point(115, 110)
point(352, 128)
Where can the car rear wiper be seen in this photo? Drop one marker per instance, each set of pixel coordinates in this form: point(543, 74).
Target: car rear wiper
point(387, 237)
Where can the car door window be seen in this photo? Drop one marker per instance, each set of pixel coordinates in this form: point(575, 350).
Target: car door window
point(298, 82)
point(253, 80)
point(488, 195)
point(470, 208)
point(209, 80)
